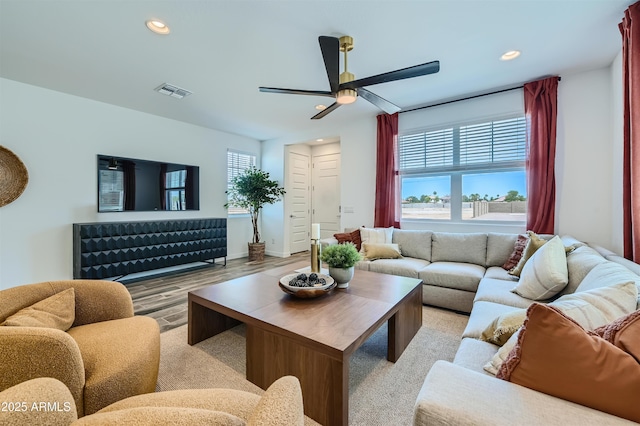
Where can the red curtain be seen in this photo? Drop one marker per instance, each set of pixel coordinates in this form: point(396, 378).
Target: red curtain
point(630, 29)
point(540, 107)
point(387, 183)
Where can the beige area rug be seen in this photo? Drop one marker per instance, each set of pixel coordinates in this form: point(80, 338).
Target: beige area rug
point(380, 392)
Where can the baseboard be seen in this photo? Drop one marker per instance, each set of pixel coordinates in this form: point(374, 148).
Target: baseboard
point(277, 253)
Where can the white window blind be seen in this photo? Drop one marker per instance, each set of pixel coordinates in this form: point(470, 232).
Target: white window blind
point(237, 162)
point(464, 147)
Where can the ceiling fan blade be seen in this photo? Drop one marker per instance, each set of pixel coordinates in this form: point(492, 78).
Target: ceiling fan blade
point(297, 92)
point(325, 111)
point(330, 47)
point(381, 103)
point(410, 72)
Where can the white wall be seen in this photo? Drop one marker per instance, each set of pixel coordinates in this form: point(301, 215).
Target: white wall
point(357, 174)
point(617, 117)
point(584, 157)
point(58, 136)
point(588, 155)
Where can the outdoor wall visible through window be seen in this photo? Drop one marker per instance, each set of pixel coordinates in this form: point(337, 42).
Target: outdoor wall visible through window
point(467, 171)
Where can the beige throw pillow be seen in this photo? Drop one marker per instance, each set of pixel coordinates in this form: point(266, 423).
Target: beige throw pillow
point(375, 236)
point(381, 251)
point(57, 311)
point(503, 327)
point(545, 273)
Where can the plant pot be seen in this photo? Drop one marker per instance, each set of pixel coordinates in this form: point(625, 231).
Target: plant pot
point(341, 276)
point(256, 252)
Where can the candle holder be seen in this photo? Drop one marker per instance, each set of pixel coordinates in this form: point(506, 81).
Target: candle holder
point(316, 251)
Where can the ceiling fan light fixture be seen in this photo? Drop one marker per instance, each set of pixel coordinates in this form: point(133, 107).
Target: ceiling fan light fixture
point(346, 96)
point(511, 54)
point(158, 26)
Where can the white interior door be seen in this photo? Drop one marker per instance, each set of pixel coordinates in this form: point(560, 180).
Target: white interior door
point(326, 193)
point(299, 202)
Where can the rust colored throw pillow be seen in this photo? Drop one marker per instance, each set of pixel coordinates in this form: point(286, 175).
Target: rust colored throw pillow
point(624, 333)
point(350, 237)
point(518, 248)
point(556, 356)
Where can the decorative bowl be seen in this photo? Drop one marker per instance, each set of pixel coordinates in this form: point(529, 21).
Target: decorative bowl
point(306, 292)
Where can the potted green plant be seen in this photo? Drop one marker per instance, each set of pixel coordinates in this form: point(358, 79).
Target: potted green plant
point(252, 189)
point(341, 259)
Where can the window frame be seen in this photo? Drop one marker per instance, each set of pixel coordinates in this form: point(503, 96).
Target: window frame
point(455, 171)
point(252, 162)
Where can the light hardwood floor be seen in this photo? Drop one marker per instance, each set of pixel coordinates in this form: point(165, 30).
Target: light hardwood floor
point(165, 298)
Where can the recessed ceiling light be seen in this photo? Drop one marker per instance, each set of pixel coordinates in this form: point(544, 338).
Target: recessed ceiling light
point(512, 54)
point(319, 140)
point(321, 107)
point(157, 26)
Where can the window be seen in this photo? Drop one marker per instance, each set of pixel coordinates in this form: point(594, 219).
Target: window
point(175, 190)
point(237, 162)
point(466, 171)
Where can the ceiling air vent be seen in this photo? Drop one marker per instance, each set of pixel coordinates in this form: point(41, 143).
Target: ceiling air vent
point(173, 91)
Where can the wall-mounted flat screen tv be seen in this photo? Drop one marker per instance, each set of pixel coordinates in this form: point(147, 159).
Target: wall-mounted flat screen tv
point(130, 184)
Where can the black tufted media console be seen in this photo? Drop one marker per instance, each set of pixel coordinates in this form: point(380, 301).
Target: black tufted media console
point(115, 249)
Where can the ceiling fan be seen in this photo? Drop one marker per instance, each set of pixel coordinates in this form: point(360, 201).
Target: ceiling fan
point(344, 87)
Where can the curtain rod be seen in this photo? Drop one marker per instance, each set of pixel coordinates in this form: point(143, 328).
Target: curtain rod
point(467, 98)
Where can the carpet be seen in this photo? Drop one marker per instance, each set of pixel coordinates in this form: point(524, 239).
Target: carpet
point(380, 392)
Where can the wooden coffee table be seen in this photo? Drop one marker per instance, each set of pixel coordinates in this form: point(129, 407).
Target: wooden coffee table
point(311, 339)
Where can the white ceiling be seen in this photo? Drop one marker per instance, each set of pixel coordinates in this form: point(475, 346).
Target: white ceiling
point(222, 50)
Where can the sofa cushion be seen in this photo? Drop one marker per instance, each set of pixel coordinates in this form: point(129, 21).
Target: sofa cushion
point(461, 276)
point(453, 247)
point(482, 315)
point(406, 267)
point(499, 291)
point(499, 248)
point(498, 273)
point(350, 237)
point(554, 355)
point(381, 251)
point(579, 262)
point(362, 265)
point(413, 243)
point(516, 254)
point(534, 242)
point(376, 236)
point(57, 311)
point(545, 273)
point(473, 354)
point(605, 274)
point(632, 266)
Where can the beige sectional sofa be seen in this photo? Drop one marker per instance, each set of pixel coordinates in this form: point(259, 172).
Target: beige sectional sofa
point(464, 272)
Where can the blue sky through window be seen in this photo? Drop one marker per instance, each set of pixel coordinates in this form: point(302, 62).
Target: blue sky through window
point(493, 184)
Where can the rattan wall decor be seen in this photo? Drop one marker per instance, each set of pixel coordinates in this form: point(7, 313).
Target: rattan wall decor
point(13, 176)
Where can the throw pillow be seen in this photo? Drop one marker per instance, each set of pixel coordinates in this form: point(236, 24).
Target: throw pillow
point(350, 237)
point(503, 327)
point(57, 311)
point(533, 244)
point(556, 356)
point(545, 274)
point(381, 251)
point(591, 309)
point(623, 333)
point(518, 248)
point(376, 236)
